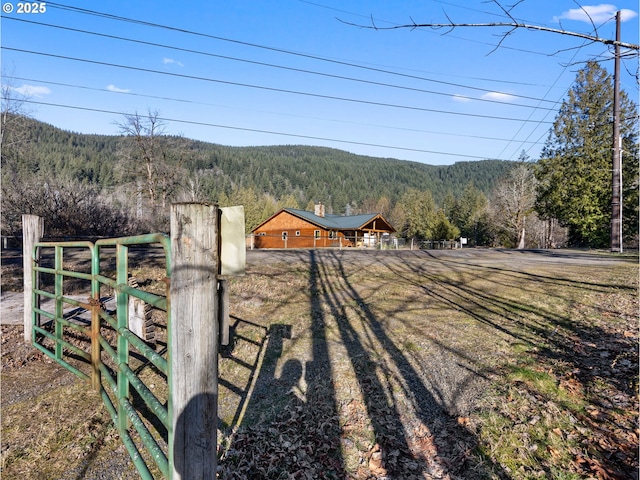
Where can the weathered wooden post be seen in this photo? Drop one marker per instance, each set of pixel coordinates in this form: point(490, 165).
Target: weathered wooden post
point(32, 232)
point(193, 341)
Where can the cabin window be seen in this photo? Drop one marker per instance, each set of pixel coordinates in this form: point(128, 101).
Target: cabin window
point(284, 235)
point(316, 234)
point(333, 234)
point(297, 233)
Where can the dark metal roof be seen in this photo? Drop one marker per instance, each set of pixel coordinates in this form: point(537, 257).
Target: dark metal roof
point(336, 222)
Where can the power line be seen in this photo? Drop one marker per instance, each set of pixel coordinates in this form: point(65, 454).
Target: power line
point(283, 67)
point(273, 49)
point(377, 69)
point(119, 18)
point(532, 131)
point(262, 87)
point(158, 97)
point(369, 17)
point(566, 66)
point(254, 130)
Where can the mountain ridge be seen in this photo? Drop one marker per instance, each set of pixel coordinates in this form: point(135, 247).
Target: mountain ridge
point(310, 173)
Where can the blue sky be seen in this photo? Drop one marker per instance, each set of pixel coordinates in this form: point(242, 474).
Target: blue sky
point(293, 72)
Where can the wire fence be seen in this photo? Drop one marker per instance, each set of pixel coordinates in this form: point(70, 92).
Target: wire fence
point(372, 242)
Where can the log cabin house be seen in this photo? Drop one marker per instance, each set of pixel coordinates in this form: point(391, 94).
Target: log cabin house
point(292, 228)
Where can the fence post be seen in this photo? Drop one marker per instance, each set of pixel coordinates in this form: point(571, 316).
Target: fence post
point(193, 341)
point(32, 232)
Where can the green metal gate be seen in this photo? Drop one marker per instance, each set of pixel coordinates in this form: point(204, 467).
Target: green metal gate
point(102, 349)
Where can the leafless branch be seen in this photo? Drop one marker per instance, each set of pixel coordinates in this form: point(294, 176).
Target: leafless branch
point(595, 29)
point(451, 29)
point(506, 12)
point(504, 37)
point(512, 25)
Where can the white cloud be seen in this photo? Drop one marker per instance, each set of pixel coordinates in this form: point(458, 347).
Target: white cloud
point(32, 90)
point(596, 13)
point(495, 96)
point(626, 14)
point(501, 97)
point(171, 61)
point(112, 88)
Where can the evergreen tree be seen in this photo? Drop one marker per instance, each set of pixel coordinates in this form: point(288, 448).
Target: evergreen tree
point(419, 209)
point(449, 206)
point(443, 229)
point(576, 162)
point(144, 169)
point(469, 214)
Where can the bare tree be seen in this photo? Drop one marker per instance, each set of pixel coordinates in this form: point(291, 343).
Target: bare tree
point(70, 208)
point(14, 121)
point(513, 24)
point(151, 160)
point(141, 150)
point(193, 187)
point(512, 203)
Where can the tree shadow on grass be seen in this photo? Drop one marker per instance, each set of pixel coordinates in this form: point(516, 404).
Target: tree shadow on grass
point(579, 335)
point(360, 406)
point(418, 425)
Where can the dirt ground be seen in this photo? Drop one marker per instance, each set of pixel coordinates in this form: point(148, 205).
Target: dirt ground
point(382, 364)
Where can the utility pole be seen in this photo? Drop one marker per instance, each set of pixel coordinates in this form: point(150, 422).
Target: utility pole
point(616, 174)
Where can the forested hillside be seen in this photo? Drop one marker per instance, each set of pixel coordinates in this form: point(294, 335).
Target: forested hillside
point(100, 185)
point(97, 185)
point(335, 177)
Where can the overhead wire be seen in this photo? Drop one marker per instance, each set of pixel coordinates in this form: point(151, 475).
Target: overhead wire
point(493, 45)
point(254, 130)
point(263, 87)
point(566, 66)
point(521, 143)
point(355, 65)
point(283, 67)
point(173, 99)
point(274, 49)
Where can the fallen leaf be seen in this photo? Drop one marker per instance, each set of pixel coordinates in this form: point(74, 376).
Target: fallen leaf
point(554, 452)
point(463, 420)
point(376, 464)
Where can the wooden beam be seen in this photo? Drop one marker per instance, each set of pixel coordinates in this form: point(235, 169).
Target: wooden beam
point(32, 232)
point(193, 341)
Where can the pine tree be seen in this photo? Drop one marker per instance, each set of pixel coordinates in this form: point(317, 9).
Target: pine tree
point(419, 209)
point(576, 162)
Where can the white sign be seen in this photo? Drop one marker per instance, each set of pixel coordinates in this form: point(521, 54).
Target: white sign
point(233, 249)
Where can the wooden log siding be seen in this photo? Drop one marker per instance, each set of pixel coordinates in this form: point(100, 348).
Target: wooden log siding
point(333, 231)
point(271, 236)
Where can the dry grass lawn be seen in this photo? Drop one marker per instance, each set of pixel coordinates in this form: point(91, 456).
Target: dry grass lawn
point(394, 364)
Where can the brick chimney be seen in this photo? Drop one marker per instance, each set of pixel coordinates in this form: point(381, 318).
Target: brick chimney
point(319, 209)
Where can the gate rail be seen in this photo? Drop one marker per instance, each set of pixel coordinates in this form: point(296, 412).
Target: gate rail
point(169, 430)
point(110, 374)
